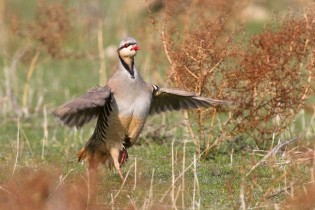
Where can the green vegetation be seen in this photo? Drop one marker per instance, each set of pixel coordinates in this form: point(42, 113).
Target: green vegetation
point(50, 54)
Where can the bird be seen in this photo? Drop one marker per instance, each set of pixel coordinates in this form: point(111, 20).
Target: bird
point(121, 108)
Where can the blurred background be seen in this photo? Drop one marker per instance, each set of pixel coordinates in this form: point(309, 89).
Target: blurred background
point(258, 53)
point(70, 41)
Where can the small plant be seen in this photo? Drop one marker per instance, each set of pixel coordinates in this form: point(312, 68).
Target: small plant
point(50, 27)
point(272, 79)
point(267, 76)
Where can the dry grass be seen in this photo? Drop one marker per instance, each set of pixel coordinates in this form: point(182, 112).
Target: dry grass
point(269, 76)
point(302, 199)
point(301, 196)
point(43, 189)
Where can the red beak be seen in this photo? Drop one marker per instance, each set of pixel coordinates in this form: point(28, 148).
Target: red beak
point(136, 48)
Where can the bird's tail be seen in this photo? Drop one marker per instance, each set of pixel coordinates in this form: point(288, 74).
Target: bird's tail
point(82, 154)
point(87, 152)
point(91, 152)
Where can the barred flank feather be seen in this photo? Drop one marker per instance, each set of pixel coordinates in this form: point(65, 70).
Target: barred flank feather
point(99, 135)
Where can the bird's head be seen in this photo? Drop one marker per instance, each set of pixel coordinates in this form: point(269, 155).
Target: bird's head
point(128, 47)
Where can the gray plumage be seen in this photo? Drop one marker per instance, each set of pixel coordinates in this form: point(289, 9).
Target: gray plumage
point(82, 110)
point(121, 109)
point(170, 99)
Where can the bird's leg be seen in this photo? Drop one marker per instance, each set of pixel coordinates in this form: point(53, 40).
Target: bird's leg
point(123, 156)
point(115, 156)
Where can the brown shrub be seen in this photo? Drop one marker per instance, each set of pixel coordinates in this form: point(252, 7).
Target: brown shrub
point(304, 198)
point(50, 27)
point(272, 78)
point(196, 38)
point(30, 192)
point(30, 189)
point(268, 76)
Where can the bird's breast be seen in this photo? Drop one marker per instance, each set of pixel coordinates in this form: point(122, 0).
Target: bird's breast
point(130, 111)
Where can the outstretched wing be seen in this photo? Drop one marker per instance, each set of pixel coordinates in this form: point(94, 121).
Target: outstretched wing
point(83, 109)
point(165, 99)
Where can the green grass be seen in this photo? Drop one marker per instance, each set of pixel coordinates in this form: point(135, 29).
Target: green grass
point(219, 178)
point(215, 182)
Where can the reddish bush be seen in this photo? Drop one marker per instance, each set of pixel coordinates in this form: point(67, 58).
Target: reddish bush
point(272, 78)
point(267, 76)
point(50, 27)
point(42, 190)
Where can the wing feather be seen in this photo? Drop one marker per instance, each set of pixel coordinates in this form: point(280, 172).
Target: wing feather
point(165, 99)
point(83, 109)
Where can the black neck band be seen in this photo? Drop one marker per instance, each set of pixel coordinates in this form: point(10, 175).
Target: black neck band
point(127, 67)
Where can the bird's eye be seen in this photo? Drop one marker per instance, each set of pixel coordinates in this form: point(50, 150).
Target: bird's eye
point(126, 45)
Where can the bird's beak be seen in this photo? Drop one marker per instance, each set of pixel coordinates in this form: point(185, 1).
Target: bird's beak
point(136, 48)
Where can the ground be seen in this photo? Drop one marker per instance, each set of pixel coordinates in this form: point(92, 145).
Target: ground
point(38, 165)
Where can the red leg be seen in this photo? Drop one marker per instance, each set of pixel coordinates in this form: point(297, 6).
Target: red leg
point(123, 156)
